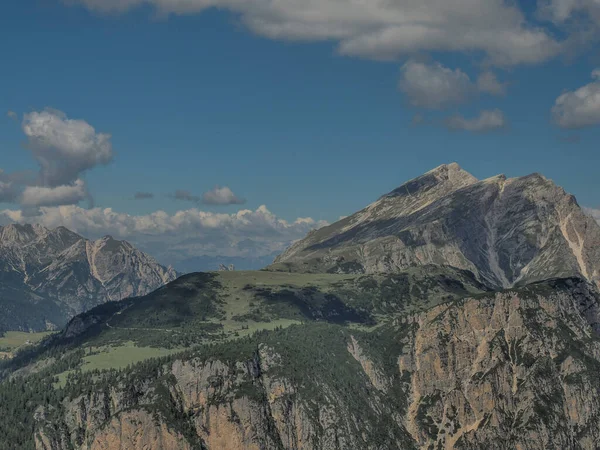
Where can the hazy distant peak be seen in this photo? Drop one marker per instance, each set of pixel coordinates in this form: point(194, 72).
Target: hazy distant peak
point(21, 234)
point(74, 273)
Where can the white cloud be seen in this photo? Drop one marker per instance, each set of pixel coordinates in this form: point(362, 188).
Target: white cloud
point(488, 120)
point(187, 233)
point(221, 196)
point(434, 86)
point(64, 147)
point(36, 196)
point(489, 84)
point(579, 108)
point(379, 29)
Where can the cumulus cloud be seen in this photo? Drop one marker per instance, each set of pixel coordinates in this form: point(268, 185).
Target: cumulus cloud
point(488, 120)
point(579, 108)
point(12, 115)
point(488, 83)
point(221, 196)
point(434, 86)
point(181, 235)
point(379, 29)
point(63, 147)
point(143, 195)
point(36, 196)
point(431, 85)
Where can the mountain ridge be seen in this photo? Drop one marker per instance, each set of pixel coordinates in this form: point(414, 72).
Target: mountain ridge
point(70, 272)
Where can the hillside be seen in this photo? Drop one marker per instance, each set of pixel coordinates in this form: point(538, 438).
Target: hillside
point(508, 231)
point(221, 305)
point(48, 276)
point(508, 369)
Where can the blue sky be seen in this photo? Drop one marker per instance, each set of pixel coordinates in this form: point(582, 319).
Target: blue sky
point(200, 98)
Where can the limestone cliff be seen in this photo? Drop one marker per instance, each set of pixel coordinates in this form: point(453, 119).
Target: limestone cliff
point(513, 369)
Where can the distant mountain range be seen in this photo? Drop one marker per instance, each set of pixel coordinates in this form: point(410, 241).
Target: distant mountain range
point(507, 231)
point(207, 263)
point(48, 276)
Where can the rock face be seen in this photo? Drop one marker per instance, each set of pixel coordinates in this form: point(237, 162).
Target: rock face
point(48, 276)
point(507, 231)
point(512, 369)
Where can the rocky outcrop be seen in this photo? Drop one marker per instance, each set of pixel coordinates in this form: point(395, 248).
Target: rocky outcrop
point(248, 404)
point(56, 274)
point(508, 232)
point(513, 370)
point(131, 430)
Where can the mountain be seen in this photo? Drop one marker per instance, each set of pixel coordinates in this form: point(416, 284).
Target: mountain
point(450, 314)
point(507, 231)
point(48, 276)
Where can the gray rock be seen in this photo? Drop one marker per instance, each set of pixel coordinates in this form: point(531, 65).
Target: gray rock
point(69, 274)
point(507, 231)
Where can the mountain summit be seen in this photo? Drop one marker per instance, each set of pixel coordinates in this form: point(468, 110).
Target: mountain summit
point(507, 231)
point(48, 276)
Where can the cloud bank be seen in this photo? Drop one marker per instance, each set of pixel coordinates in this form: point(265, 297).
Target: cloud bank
point(36, 196)
point(184, 234)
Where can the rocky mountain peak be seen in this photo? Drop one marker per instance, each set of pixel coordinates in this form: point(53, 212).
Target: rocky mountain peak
point(507, 231)
point(21, 233)
point(447, 177)
point(71, 273)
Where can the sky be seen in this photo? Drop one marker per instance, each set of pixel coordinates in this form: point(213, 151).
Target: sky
point(232, 127)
